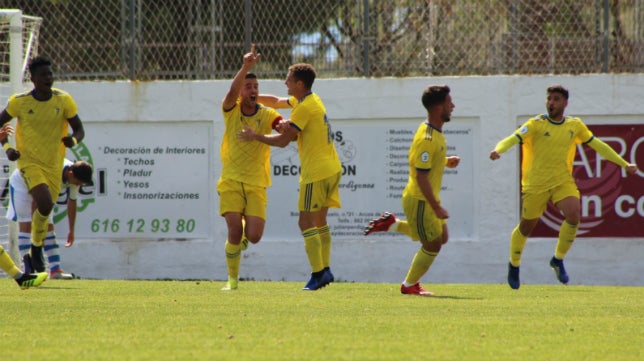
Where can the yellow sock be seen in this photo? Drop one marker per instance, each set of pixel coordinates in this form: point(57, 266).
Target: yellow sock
point(567, 234)
point(313, 247)
point(233, 259)
point(38, 228)
point(517, 243)
point(400, 227)
point(7, 265)
point(325, 243)
point(419, 266)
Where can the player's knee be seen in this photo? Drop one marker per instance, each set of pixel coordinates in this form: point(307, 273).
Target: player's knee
point(254, 237)
point(45, 208)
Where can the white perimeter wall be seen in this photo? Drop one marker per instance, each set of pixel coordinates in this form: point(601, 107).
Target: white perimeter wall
point(494, 106)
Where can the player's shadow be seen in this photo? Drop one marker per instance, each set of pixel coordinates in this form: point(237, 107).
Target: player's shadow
point(449, 297)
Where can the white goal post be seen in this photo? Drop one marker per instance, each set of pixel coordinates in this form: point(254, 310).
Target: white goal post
point(18, 43)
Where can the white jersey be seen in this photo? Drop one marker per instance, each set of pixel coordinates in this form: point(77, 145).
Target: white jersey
point(20, 205)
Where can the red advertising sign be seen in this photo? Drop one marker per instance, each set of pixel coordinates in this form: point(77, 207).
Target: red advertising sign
point(612, 202)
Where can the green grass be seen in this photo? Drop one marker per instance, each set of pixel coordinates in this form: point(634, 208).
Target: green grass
point(193, 320)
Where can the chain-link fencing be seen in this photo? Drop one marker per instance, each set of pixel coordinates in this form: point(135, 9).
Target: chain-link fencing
point(206, 39)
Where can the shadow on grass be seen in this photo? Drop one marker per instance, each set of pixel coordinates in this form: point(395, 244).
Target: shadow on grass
point(448, 297)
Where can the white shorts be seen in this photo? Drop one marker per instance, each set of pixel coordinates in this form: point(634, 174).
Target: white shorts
point(19, 209)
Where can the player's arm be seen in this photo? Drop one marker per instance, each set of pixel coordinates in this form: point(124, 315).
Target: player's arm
point(609, 153)
point(238, 81)
point(504, 145)
point(274, 101)
point(5, 132)
point(71, 218)
point(78, 132)
point(276, 140)
point(5, 117)
point(422, 180)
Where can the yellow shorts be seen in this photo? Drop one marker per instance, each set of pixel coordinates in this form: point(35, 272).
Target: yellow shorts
point(324, 193)
point(423, 223)
point(533, 204)
point(34, 175)
point(239, 197)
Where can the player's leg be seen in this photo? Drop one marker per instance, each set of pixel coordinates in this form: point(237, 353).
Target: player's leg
point(232, 249)
point(52, 252)
point(24, 280)
point(254, 214)
point(532, 206)
point(387, 222)
point(432, 233)
point(313, 248)
point(325, 242)
point(39, 221)
point(20, 210)
point(24, 243)
point(332, 186)
point(566, 199)
point(231, 206)
point(310, 204)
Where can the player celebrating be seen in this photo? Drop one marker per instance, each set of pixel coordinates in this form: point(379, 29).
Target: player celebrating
point(321, 167)
point(74, 175)
point(246, 166)
point(426, 217)
point(549, 144)
point(44, 116)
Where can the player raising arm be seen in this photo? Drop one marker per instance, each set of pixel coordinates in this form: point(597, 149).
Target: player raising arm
point(321, 168)
point(245, 171)
point(549, 143)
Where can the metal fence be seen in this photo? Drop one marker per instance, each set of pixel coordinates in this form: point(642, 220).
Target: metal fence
point(205, 39)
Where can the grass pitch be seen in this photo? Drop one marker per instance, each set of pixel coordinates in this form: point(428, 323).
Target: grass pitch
point(194, 320)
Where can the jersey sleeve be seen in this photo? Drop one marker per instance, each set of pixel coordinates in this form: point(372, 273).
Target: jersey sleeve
point(299, 117)
point(584, 135)
point(423, 157)
point(13, 109)
point(274, 117)
point(526, 130)
point(71, 109)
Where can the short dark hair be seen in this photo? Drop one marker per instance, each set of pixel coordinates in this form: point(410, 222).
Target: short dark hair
point(303, 72)
point(250, 76)
point(37, 62)
point(558, 89)
point(83, 172)
point(434, 94)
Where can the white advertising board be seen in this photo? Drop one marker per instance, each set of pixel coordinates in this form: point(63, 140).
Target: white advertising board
point(375, 171)
point(151, 180)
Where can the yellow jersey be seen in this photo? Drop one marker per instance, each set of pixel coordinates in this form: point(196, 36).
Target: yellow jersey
point(426, 153)
point(41, 126)
point(247, 162)
point(318, 157)
point(548, 150)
